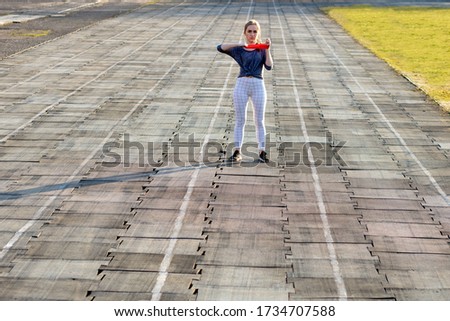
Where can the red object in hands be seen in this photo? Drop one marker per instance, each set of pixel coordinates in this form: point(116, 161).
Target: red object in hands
point(257, 46)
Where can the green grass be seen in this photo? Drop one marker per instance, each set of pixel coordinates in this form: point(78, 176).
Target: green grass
point(413, 40)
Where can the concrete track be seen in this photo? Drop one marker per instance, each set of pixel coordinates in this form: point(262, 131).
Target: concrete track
point(114, 184)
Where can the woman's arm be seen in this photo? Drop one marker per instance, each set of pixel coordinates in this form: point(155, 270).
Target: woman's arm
point(228, 46)
point(269, 61)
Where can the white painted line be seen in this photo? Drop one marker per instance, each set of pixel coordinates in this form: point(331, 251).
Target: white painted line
point(383, 117)
point(13, 18)
point(41, 210)
point(84, 51)
point(338, 279)
point(42, 112)
point(169, 252)
point(81, 7)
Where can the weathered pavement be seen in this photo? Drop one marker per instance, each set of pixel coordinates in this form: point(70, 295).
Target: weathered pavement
point(25, 24)
point(113, 185)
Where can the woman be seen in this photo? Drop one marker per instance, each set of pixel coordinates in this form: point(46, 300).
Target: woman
point(249, 85)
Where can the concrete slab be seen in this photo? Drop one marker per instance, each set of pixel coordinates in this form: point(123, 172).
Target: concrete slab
point(100, 150)
point(324, 289)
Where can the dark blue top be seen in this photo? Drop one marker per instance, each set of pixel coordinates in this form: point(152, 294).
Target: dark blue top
point(251, 62)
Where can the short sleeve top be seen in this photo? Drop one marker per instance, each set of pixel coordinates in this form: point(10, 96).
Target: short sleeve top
point(251, 62)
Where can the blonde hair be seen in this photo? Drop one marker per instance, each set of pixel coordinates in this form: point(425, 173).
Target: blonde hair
point(255, 23)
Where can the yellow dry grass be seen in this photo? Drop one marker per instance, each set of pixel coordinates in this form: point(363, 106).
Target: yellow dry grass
point(413, 40)
point(30, 33)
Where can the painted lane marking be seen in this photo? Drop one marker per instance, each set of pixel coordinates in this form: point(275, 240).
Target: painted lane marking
point(86, 50)
point(169, 252)
point(44, 111)
point(383, 117)
point(37, 216)
point(337, 274)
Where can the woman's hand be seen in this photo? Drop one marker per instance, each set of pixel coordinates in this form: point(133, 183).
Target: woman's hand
point(268, 42)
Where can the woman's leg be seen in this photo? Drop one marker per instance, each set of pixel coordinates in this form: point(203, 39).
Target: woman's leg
point(259, 98)
point(240, 100)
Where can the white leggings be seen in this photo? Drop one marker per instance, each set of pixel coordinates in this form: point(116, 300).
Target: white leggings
point(254, 89)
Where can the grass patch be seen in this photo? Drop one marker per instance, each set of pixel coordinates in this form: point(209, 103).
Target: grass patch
point(31, 33)
point(415, 41)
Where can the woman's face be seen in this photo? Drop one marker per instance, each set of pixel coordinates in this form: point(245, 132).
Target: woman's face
point(251, 33)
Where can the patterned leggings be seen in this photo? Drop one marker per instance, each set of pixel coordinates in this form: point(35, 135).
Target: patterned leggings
point(254, 89)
